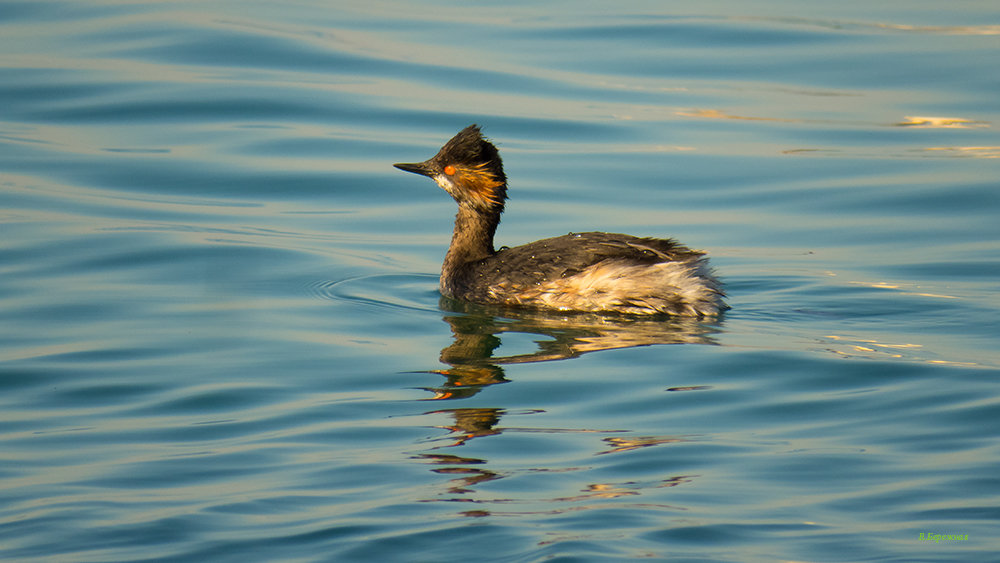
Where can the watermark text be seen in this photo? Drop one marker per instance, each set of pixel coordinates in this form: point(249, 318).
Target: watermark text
point(936, 538)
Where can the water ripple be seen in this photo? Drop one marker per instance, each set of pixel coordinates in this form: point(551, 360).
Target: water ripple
point(418, 293)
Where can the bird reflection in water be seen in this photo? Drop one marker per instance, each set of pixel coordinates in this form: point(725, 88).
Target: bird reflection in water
point(477, 331)
point(473, 365)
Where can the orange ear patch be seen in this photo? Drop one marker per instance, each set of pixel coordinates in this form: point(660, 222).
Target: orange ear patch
point(480, 183)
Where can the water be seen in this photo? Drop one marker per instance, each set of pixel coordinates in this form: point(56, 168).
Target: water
point(222, 339)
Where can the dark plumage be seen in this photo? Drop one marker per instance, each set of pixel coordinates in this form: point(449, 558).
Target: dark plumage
point(594, 272)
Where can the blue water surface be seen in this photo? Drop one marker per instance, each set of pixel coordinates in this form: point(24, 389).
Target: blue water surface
point(222, 340)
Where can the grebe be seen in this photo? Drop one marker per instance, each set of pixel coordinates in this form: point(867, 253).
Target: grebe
point(591, 272)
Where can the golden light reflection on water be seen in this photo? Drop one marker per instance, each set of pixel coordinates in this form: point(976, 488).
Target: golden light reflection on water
point(616, 490)
point(628, 444)
point(911, 122)
point(856, 347)
point(923, 122)
point(944, 29)
point(914, 122)
point(719, 114)
point(895, 152)
point(901, 287)
point(968, 152)
point(848, 346)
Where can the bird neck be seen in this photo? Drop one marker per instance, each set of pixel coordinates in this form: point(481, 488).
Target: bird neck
point(472, 240)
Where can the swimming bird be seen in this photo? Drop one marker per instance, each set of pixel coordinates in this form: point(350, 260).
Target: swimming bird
point(589, 272)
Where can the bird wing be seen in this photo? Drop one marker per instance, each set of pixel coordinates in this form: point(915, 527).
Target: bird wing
point(514, 269)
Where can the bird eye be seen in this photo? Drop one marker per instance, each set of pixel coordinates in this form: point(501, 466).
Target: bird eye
point(449, 170)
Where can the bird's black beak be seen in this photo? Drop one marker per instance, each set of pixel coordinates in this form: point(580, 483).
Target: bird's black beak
point(421, 168)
